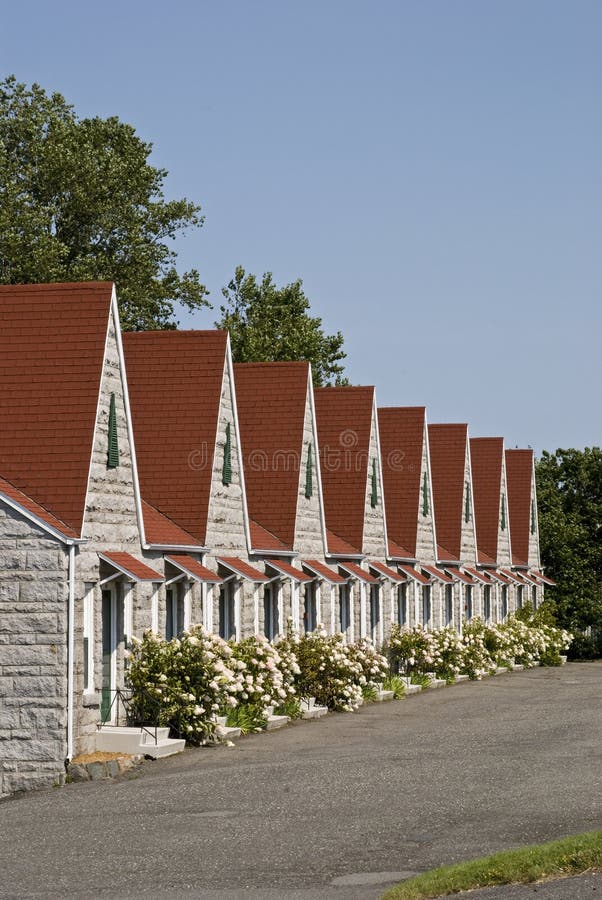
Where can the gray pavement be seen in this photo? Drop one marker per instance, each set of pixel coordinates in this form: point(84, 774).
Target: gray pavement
point(339, 807)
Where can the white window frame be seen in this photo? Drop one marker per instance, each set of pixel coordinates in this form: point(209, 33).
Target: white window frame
point(88, 633)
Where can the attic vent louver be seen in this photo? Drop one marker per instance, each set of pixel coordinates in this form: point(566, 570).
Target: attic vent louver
point(532, 516)
point(425, 495)
point(308, 474)
point(113, 448)
point(503, 521)
point(374, 492)
point(227, 464)
point(467, 504)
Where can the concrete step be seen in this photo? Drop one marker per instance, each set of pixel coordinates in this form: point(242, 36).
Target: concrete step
point(518, 667)
point(459, 678)
point(436, 683)
point(314, 712)
point(413, 688)
point(563, 660)
point(227, 732)
point(120, 739)
point(501, 670)
point(383, 696)
point(275, 722)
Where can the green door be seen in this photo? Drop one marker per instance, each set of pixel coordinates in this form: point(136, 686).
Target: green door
point(107, 653)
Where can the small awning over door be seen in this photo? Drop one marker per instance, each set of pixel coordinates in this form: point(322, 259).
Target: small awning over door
point(130, 567)
point(192, 567)
point(242, 569)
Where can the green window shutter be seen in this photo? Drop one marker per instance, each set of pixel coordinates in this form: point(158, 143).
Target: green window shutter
point(113, 448)
point(467, 504)
point(227, 464)
point(309, 485)
point(503, 521)
point(425, 495)
point(532, 516)
point(374, 492)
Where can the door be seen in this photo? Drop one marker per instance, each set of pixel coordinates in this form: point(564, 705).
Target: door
point(374, 611)
point(449, 604)
point(426, 605)
point(109, 645)
point(309, 614)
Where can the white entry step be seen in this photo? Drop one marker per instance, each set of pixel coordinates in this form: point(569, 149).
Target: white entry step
point(383, 696)
point(275, 722)
point(459, 678)
point(227, 732)
point(501, 670)
point(437, 683)
point(413, 688)
point(313, 712)
point(137, 741)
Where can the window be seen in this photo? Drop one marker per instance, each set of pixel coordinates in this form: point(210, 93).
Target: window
point(174, 612)
point(227, 621)
point(504, 601)
point(519, 596)
point(308, 474)
point(113, 447)
point(449, 604)
point(374, 491)
point(426, 604)
point(468, 601)
point(227, 463)
point(309, 614)
point(374, 608)
point(534, 596)
point(271, 625)
point(487, 602)
point(425, 495)
point(344, 607)
point(402, 604)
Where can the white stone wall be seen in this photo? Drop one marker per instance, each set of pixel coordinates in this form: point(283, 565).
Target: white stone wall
point(309, 539)
point(33, 655)
point(468, 542)
point(374, 518)
point(226, 523)
point(504, 549)
point(425, 536)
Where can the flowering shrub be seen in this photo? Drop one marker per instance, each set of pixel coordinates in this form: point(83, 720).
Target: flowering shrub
point(477, 644)
point(267, 678)
point(186, 681)
point(375, 666)
point(327, 669)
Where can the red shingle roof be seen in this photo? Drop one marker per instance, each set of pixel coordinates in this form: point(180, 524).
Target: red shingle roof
point(344, 418)
point(271, 400)
point(519, 474)
point(193, 567)
point(128, 564)
point(436, 573)
point(262, 539)
point(382, 569)
point(545, 579)
point(175, 382)
point(455, 572)
point(358, 572)
point(286, 569)
point(240, 567)
point(324, 571)
point(447, 445)
point(338, 547)
point(158, 529)
point(52, 344)
point(31, 506)
point(411, 572)
point(397, 552)
point(486, 459)
point(479, 575)
point(401, 431)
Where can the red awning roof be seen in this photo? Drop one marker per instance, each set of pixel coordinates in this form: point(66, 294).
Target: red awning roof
point(544, 579)
point(130, 566)
point(437, 573)
point(389, 573)
point(242, 568)
point(479, 575)
point(192, 567)
point(358, 572)
point(324, 571)
point(503, 579)
point(464, 577)
point(286, 569)
point(413, 573)
point(517, 577)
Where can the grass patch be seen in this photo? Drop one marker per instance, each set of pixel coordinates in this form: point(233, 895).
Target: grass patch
point(569, 856)
point(395, 684)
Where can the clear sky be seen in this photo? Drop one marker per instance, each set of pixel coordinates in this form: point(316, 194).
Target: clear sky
point(430, 168)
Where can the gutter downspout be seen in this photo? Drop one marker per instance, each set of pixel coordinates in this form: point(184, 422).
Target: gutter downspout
point(70, 651)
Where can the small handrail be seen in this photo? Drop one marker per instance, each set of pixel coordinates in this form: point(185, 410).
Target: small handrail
point(132, 711)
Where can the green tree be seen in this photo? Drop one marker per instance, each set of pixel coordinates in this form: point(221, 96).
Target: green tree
point(272, 324)
point(79, 201)
point(569, 494)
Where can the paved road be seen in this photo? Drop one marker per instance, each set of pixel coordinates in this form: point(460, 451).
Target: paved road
point(335, 809)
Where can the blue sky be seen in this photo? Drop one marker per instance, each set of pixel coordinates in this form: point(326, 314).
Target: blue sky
point(431, 169)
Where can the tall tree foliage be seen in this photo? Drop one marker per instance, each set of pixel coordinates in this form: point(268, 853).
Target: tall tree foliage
point(79, 201)
point(272, 324)
point(569, 493)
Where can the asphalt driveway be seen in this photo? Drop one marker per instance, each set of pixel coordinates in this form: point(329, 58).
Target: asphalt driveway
point(335, 808)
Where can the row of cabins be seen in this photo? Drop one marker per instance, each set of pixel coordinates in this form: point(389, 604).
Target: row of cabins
point(147, 482)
